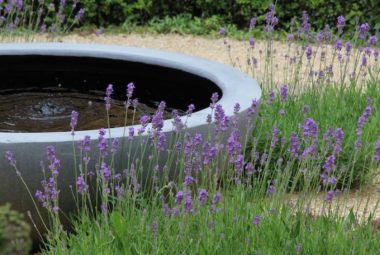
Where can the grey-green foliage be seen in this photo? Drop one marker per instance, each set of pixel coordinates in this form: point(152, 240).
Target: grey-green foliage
point(14, 232)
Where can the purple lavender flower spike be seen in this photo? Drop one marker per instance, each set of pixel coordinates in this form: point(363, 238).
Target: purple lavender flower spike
point(107, 99)
point(74, 121)
point(188, 180)
point(239, 162)
point(363, 30)
point(160, 145)
point(79, 15)
point(339, 136)
point(329, 164)
point(216, 198)
point(130, 89)
point(105, 171)
point(284, 93)
point(309, 52)
point(341, 23)
point(190, 109)
point(115, 145)
point(294, 144)
point(252, 42)
point(330, 196)
point(214, 99)
point(131, 133)
point(256, 221)
point(81, 185)
point(275, 134)
point(271, 97)
point(189, 204)
point(9, 157)
point(202, 197)
point(338, 45)
point(372, 40)
point(222, 31)
point(50, 152)
point(179, 197)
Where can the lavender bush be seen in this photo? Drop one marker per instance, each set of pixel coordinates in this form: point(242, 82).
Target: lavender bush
point(23, 20)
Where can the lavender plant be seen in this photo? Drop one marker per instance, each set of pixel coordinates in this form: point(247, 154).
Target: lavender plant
point(215, 174)
point(37, 17)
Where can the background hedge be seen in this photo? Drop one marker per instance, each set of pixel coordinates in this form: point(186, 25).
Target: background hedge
point(238, 12)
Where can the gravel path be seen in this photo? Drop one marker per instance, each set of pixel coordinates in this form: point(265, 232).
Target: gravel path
point(363, 201)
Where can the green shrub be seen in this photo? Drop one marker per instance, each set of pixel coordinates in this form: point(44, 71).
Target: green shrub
point(14, 232)
point(237, 12)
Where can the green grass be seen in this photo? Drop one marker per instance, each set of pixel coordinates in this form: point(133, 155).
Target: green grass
point(282, 230)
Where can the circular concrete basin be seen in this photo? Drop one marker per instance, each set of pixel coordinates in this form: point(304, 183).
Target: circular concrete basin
point(177, 79)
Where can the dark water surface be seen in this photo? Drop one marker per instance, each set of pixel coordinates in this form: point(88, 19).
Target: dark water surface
point(50, 110)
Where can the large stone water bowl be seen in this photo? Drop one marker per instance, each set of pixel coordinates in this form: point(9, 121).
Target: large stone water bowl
point(178, 79)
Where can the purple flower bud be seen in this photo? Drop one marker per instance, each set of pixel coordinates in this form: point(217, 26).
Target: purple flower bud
point(214, 99)
point(9, 157)
point(107, 99)
point(81, 185)
point(310, 129)
point(341, 23)
point(338, 45)
point(131, 133)
point(309, 52)
point(115, 145)
point(339, 136)
point(105, 171)
point(188, 180)
point(85, 144)
point(363, 30)
point(249, 169)
point(179, 197)
point(189, 204)
point(330, 195)
point(190, 109)
point(290, 37)
point(74, 121)
point(130, 89)
point(329, 164)
point(372, 40)
point(79, 15)
point(271, 190)
point(284, 93)
point(202, 197)
point(216, 198)
point(160, 144)
point(50, 153)
point(256, 221)
point(305, 109)
point(239, 162)
point(252, 42)
point(348, 47)
point(222, 31)
point(294, 144)
point(275, 134)
point(271, 97)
